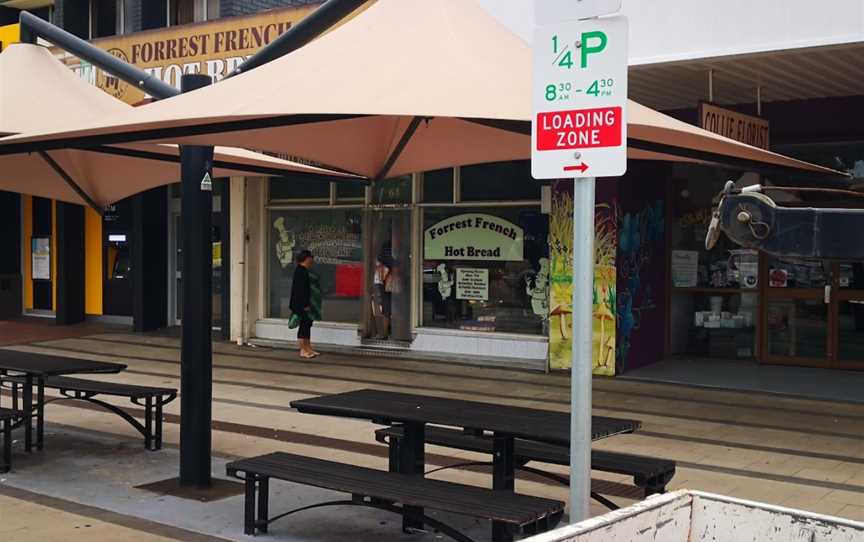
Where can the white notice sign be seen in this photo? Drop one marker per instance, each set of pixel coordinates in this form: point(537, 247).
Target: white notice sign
point(579, 125)
point(472, 283)
point(685, 268)
point(41, 258)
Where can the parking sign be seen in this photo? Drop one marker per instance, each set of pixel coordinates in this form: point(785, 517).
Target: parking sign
point(579, 126)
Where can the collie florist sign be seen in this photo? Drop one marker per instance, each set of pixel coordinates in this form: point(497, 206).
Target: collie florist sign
point(579, 125)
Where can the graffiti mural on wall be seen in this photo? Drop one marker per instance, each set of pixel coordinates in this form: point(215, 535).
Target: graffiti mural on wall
point(639, 245)
point(561, 292)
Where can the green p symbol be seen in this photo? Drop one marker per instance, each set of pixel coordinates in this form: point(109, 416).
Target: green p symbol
point(588, 49)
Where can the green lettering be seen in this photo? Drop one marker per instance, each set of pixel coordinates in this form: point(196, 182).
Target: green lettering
point(588, 49)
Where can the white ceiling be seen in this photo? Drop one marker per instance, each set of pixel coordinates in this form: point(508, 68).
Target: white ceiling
point(787, 75)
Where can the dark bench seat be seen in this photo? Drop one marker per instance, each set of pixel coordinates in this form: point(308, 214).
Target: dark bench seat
point(8, 417)
point(153, 400)
point(394, 492)
point(649, 473)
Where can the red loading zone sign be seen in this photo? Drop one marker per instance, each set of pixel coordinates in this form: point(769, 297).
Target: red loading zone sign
point(579, 129)
point(579, 126)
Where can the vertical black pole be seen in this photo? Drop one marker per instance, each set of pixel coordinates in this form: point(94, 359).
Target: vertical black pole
point(196, 366)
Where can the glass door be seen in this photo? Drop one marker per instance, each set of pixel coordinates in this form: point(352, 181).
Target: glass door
point(390, 269)
point(815, 313)
point(849, 316)
point(798, 312)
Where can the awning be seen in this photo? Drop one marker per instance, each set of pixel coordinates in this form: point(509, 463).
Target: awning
point(37, 92)
point(407, 85)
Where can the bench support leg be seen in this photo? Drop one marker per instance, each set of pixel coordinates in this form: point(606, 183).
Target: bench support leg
point(40, 413)
point(27, 398)
point(148, 423)
point(249, 512)
point(503, 479)
point(6, 462)
point(412, 460)
point(158, 435)
point(263, 503)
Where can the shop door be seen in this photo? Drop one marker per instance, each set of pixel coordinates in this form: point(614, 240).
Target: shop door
point(848, 315)
point(814, 313)
point(176, 266)
point(390, 310)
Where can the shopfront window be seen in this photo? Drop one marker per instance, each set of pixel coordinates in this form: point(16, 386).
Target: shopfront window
point(393, 191)
point(499, 181)
point(334, 237)
point(438, 186)
point(485, 269)
point(715, 301)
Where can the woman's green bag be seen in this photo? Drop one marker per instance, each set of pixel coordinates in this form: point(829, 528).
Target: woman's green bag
point(294, 321)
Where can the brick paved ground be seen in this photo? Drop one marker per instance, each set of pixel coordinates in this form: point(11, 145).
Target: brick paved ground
point(795, 452)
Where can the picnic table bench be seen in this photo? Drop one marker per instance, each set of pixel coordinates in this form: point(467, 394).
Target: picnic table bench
point(414, 414)
point(8, 417)
point(391, 491)
point(153, 399)
point(650, 474)
point(33, 369)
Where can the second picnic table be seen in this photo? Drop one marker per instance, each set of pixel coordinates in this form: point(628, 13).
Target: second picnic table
point(504, 422)
point(35, 368)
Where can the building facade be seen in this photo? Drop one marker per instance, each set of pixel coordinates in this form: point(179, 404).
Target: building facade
point(473, 262)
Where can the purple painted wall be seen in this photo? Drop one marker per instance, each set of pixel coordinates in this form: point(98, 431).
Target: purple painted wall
point(641, 265)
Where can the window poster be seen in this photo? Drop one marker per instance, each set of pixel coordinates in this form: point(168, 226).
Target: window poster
point(41, 258)
point(685, 268)
point(474, 236)
point(472, 284)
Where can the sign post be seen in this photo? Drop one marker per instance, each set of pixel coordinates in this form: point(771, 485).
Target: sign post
point(579, 129)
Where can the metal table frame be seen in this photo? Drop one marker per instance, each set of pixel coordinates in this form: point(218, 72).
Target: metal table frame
point(37, 375)
point(412, 448)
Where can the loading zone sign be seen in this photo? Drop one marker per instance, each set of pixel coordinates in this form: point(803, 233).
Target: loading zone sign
point(579, 126)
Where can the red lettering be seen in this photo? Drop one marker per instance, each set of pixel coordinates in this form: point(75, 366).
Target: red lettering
point(183, 46)
point(219, 38)
point(257, 37)
point(205, 38)
point(267, 33)
point(231, 40)
point(159, 48)
point(244, 38)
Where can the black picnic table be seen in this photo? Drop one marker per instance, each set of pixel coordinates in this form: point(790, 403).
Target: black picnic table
point(504, 422)
point(35, 368)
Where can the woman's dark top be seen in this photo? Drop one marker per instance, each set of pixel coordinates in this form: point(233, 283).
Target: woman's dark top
point(301, 290)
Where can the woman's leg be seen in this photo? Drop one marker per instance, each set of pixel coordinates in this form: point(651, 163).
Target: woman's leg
point(303, 335)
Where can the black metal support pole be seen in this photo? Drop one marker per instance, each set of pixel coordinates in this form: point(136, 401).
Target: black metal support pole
point(32, 26)
point(196, 364)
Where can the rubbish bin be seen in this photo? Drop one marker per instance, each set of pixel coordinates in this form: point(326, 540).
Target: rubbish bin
point(694, 516)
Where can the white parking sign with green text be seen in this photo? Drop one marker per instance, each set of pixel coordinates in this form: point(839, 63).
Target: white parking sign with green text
point(579, 125)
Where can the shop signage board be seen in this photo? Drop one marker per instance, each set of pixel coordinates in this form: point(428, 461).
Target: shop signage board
point(474, 236)
point(472, 284)
point(734, 125)
point(213, 48)
point(579, 124)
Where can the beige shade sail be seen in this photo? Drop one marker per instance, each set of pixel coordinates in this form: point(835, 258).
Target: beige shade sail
point(37, 92)
point(405, 86)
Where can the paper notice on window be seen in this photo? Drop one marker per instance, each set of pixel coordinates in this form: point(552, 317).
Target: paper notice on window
point(472, 284)
point(685, 268)
point(41, 258)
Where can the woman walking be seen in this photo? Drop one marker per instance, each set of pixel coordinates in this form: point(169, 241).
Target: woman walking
point(303, 302)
